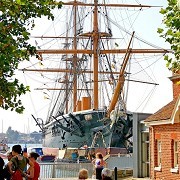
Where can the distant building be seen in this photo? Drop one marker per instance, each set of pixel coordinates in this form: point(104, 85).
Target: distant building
point(22, 138)
point(36, 136)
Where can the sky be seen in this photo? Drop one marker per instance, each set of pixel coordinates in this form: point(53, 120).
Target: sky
point(36, 104)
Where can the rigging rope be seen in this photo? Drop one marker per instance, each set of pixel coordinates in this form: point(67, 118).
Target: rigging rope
point(147, 99)
point(135, 36)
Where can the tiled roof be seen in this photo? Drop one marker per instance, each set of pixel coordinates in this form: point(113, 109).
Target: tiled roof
point(164, 113)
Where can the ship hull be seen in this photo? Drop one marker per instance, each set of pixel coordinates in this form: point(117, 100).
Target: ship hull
point(83, 129)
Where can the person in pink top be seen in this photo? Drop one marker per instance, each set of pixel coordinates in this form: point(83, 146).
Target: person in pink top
point(99, 164)
point(33, 157)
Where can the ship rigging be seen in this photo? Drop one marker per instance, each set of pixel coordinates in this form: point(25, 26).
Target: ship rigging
point(81, 113)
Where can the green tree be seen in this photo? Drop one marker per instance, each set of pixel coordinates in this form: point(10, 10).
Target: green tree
point(16, 21)
point(171, 33)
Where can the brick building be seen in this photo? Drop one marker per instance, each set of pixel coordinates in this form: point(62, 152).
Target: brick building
point(164, 136)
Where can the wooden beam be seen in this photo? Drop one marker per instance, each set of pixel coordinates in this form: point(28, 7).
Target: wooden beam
point(109, 5)
point(111, 51)
point(61, 89)
point(67, 71)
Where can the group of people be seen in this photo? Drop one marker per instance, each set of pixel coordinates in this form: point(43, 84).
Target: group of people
point(101, 172)
point(105, 174)
point(16, 168)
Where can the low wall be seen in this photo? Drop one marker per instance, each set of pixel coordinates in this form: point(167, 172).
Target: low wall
point(121, 162)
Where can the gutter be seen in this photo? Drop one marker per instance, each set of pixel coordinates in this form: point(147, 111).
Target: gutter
point(159, 122)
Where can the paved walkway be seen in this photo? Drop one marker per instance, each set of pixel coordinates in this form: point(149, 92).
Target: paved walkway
point(125, 178)
point(128, 178)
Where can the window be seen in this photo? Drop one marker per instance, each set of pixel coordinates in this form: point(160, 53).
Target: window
point(175, 154)
point(159, 152)
point(158, 146)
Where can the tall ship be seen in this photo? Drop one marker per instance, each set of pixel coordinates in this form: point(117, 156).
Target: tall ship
point(93, 60)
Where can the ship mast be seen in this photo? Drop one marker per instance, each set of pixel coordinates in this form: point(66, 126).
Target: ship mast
point(95, 36)
point(75, 59)
point(120, 83)
point(95, 54)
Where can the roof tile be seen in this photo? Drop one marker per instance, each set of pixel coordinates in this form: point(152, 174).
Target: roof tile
point(164, 113)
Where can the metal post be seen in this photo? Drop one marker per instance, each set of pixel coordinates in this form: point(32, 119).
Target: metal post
point(115, 173)
point(53, 171)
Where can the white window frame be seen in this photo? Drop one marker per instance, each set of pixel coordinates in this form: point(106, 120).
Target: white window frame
point(159, 154)
point(159, 151)
point(175, 169)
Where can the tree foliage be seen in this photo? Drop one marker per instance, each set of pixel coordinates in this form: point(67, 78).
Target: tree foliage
point(171, 33)
point(16, 20)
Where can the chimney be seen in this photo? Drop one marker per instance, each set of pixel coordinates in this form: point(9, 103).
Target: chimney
point(176, 84)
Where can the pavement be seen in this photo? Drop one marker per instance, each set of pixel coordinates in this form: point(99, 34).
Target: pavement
point(131, 178)
point(128, 178)
point(125, 178)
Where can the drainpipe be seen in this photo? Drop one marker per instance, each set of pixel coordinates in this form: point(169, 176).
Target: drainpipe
point(152, 150)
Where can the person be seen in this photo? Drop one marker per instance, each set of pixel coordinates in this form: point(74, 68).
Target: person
point(33, 157)
point(91, 154)
point(106, 174)
point(1, 169)
point(20, 162)
point(99, 164)
point(75, 154)
point(25, 154)
point(83, 174)
point(6, 169)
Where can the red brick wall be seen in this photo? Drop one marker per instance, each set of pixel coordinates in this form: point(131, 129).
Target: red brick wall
point(176, 86)
point(166, 134)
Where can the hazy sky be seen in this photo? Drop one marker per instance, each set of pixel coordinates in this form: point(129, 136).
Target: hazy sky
point(35, 103)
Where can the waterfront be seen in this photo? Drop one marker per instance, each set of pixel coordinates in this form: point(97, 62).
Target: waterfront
point(59, 170)
point(24, 145)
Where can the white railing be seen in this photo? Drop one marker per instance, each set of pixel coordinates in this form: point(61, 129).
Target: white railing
point(66, 170)
point(63, 170)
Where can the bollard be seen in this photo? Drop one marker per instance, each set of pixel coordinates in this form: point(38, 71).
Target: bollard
point(115, 173)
